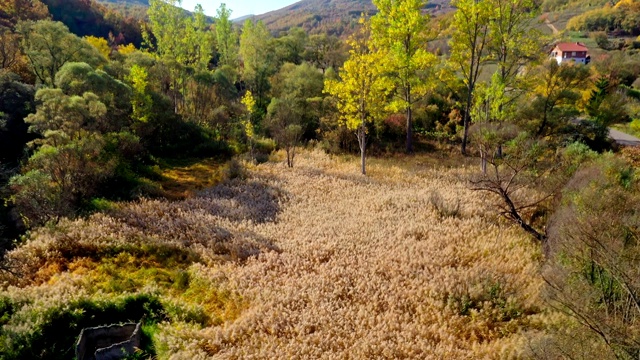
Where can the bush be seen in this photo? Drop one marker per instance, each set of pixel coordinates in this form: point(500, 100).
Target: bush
point(445, 208)
point(265, 145)
point(234, 170)
point(593, 263)
point(51, 333)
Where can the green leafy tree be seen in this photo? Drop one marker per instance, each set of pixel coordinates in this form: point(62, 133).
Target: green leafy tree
point(324, 51)
point(283, 121)
point(61, 118)
point(290, 47)
point(179, 37)
point(259, 60)
point(76, 78)
point(141, 101)
point(68, 163)
point(492, 105)
point(49, 45)
point(400, 28)
point(469, 38)
point(181, 42)
point(554, 98)
point(362, 89)
point(226, 37)
point(605, 106)
point(300, 86)
point(514, 41)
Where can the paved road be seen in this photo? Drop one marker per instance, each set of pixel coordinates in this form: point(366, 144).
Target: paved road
point(623, 139)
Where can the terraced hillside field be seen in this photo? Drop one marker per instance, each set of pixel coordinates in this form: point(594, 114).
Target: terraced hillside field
point(312, 262)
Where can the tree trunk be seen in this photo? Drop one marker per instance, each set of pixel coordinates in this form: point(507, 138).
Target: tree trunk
point(466, 123)
point(293, 154)
point(409, 121)
point(175, 96)
point(362, 141)
point(515, 216)
point(363, 158)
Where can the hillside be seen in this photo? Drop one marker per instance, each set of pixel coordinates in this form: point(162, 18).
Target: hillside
point(130, 8)
point(127, 2)
point(334, 17)
point(92, 18)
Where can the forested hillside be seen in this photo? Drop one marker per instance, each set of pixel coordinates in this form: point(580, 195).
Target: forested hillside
point(402, 185)
point(332, 17)
point(127, 2)
point(88, 17)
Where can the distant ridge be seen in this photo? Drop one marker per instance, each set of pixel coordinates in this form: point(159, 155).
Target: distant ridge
point(334, 17)
point(242, 19)
point(127, 2)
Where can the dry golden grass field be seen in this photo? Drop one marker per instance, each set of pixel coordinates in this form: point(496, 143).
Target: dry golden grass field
point(313, 262)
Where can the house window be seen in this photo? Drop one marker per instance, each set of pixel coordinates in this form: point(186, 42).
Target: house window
point(573, 54)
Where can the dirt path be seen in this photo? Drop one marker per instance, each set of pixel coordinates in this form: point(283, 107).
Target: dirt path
point(551, 26)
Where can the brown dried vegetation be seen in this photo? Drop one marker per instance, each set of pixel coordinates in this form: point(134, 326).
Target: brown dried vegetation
point(312, 262)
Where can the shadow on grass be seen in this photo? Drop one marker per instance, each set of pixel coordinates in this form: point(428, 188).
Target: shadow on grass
point(240, 200)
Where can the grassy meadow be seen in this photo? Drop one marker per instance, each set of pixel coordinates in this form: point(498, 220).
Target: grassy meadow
point(315, 261)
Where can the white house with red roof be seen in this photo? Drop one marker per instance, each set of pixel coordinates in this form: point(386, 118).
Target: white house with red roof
point(571, 51)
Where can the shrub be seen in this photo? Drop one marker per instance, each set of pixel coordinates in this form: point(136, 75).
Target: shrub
point(51, 332)
point(445, 208)
point(593, 267)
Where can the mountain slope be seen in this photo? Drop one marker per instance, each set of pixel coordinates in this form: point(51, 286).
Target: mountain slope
point(127, 2)
point(84, 18)
point(336, 17)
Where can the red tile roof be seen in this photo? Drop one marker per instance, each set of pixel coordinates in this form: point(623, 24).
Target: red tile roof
point(573, 46)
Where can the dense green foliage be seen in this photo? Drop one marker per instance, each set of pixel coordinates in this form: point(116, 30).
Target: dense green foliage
point(622, 18)
point(55, 335)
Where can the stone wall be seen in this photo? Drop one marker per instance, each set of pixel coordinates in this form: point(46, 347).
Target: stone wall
point(108, 342)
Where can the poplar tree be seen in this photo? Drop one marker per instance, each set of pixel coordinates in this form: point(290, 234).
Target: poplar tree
point(226, 38)
point(180, 41)
point(258, 57)
point(48, 45)
point(362, 89)
point(514, 41)
point(469, 39)
point(400, 28)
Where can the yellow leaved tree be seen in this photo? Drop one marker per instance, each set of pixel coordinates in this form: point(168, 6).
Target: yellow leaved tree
point(250, 103)
point(100, 44)
point(362, 90)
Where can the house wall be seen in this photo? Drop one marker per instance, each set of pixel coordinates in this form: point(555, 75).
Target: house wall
point(580, 56)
